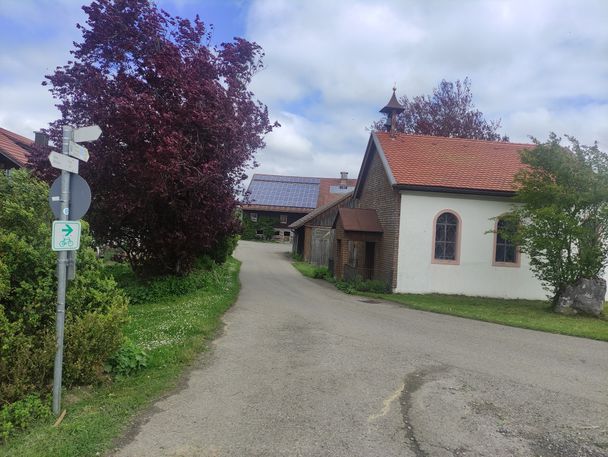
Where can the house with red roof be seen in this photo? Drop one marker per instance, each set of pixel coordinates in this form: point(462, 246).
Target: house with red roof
point(14, 150)
point(285, 199)
point(424, 213)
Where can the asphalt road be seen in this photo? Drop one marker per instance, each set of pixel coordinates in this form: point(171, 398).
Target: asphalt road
point(305, 370)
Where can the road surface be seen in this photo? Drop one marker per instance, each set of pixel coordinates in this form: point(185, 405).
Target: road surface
point(304, 370)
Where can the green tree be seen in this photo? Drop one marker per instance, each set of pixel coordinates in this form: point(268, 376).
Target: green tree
point(562, 217)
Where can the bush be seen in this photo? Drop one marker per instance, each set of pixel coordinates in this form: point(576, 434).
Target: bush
point(364, 285)
point(21, 414)
point(95, 310)
point(129, 359)
point(223, 248)
point(146, 290)
point(264, 224)
point(321, 273)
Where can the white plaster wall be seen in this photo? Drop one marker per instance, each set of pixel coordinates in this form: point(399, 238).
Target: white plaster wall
point(475, 275)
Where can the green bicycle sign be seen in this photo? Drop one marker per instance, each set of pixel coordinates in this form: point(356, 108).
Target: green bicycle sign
point(66, 235)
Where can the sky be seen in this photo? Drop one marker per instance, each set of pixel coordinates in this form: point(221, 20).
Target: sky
point(539, 66)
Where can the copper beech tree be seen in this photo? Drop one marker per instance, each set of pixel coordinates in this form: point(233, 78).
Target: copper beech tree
point(179, 127)
point(448, 112)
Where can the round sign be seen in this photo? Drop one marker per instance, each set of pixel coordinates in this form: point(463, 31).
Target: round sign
point(80, 197)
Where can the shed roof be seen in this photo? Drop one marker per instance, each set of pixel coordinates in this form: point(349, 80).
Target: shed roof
point(320, 210)
point(360, 220)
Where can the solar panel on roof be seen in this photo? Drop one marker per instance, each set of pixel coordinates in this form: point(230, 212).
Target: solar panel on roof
point(278, 192)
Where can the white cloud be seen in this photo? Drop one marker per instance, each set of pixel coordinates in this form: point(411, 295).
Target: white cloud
point(539, 66)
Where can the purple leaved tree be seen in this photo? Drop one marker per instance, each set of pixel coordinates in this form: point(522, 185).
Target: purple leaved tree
point(179, 128)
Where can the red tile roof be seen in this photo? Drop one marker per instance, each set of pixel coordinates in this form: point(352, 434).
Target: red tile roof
point(325, 195)
point(431, 161)
point(14, 146)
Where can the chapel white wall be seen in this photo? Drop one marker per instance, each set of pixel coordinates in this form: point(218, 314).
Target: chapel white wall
point(474, 275)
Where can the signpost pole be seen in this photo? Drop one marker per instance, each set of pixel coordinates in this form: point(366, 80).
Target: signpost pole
point(62, 261)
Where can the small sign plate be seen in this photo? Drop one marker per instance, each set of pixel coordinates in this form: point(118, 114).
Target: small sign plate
point(90, 133)
point(80, 152)
point(63, 162)
point(66, 235)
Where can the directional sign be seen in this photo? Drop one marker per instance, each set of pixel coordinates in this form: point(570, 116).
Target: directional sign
point(90, 133)
point(63, 162)
point(80, 152)
point(80, 197)
point(66, 235)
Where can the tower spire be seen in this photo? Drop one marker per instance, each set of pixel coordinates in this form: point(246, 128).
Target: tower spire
point(392, 109)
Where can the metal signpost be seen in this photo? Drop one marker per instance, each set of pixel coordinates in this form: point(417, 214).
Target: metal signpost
point(66, 230)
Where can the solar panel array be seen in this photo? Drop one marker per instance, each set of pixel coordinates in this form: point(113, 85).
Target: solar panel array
point(295, 191)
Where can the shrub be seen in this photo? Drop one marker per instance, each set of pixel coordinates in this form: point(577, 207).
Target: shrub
point(223, 248)
point(95, 310)
point(21, 414)
point(129, 359)
point(321, 273)
point(363, 285)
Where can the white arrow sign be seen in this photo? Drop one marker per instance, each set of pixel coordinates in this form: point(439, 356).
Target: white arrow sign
point(80, 152)
point(63, 162)
point(90, 133)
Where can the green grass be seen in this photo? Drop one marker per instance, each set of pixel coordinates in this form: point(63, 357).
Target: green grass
point(530, 314)
point(305, 268)
point(173, 328)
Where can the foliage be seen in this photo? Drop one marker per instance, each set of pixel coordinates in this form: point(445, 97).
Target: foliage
point(297, 256)
point(264, 224)
point(173, 330)
point(129, 359)
point(95, 312)
point(449, 112)
point(21, 414)
point(179, 127)
point(143, 290)
point(321, 273)
point(223, 248)
point(562, 220)
point(363, 285)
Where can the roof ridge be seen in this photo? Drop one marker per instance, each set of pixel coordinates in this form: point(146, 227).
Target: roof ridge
point(16, 136)
point(473, 140)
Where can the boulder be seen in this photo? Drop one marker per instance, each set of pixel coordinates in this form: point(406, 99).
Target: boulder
point(585, 296)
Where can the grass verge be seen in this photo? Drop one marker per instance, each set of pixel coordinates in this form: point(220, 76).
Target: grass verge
point(530, 314)
point(305, 268)
point(173, 328)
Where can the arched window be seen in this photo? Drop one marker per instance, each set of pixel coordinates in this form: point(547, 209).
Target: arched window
point(445, 248)
point(505, 252)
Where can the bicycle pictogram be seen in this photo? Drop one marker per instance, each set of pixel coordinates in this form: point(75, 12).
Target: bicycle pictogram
point(66, 242)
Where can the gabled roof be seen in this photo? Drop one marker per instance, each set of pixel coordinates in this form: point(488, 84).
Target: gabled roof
point(447, 164)
point(321, 209)
point(359, 220)
point(14, 147)
point(271, 192)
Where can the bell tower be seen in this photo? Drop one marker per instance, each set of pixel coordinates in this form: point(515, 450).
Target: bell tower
point(392, 109)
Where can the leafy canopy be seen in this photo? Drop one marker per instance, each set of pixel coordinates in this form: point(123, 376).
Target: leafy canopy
point(179, 127)
point(562, 223)
point(448, 112)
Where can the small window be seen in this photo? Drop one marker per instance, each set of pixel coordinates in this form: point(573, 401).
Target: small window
point(446, 238)
point(286, 234)
point(505, 251)
point(283, 218)
point(254, 217)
